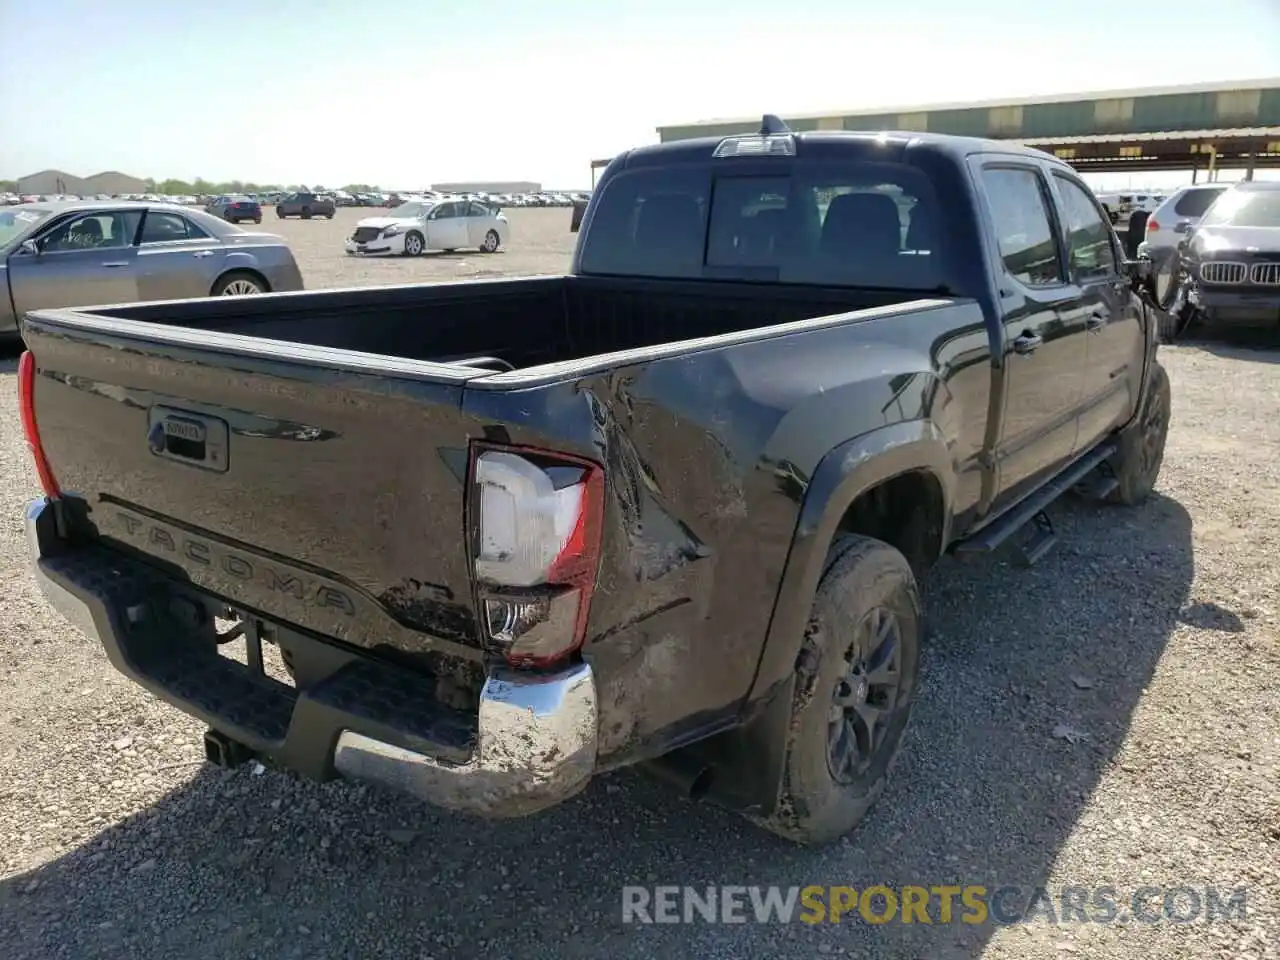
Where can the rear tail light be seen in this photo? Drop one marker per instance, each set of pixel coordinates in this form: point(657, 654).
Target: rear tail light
point(27, 408)
point(535, 522)
point(1152, 225)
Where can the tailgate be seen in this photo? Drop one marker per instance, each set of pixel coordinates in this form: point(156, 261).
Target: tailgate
point(321, 487)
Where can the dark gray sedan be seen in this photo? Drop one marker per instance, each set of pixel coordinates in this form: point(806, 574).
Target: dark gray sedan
point(90, 253)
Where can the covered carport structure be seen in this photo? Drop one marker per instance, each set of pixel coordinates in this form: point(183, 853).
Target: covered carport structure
point(1202, 128)
point(1201, 151)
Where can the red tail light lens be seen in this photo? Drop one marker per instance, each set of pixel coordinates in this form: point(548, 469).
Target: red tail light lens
point(1152, 225)
point(536, 520)
point(27, 407)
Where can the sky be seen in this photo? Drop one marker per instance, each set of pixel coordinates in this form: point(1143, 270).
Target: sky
point(403, 94)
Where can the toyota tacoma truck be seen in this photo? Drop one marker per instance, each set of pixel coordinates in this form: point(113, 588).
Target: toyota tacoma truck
point(670, 509)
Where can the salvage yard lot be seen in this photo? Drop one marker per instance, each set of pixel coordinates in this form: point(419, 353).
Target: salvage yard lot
point(1108, 718)
point(540, 243)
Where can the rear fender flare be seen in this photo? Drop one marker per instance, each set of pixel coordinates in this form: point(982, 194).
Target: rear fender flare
point(841, 476)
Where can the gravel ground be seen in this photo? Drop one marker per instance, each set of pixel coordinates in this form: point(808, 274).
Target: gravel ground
point(1108, 718)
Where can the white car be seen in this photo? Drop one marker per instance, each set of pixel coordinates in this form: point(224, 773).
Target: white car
point(1169, 223)
point(413, 228)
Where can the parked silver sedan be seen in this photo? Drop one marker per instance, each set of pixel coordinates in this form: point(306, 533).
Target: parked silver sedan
point(92, 253)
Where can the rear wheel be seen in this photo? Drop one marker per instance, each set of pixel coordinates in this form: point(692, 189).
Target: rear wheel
point(855, 684)
point(279, 213)
point(238, 283)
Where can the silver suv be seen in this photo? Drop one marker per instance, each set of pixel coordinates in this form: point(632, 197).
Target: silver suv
point(1183, 209)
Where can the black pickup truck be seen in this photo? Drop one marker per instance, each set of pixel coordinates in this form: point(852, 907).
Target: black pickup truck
point(668, 509)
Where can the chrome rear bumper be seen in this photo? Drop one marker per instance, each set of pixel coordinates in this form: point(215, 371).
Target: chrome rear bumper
point(531, 744)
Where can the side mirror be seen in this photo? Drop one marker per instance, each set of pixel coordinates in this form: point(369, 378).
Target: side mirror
point(30, 247)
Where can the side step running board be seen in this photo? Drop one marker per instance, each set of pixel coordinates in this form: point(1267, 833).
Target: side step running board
point(1033, 506)
point(1100, 485)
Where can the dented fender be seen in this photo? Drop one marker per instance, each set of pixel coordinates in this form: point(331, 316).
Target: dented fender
point(842, 475)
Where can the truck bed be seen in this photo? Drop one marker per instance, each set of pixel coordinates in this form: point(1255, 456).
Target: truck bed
point(294, 457)
point(522, 323)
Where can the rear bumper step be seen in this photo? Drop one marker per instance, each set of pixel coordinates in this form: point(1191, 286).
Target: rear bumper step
point(531, 744)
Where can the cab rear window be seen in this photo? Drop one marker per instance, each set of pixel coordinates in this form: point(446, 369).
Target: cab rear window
point(863, 224)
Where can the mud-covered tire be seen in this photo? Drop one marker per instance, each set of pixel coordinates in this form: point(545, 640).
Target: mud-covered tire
point(1140, 452)
point(864, 579)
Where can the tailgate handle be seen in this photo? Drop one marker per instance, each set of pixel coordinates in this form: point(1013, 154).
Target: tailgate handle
point(187, 437)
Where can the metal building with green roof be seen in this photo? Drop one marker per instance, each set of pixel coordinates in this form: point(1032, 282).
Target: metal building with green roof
point(1208, 125)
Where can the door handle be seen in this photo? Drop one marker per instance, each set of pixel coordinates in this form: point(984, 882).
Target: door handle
point(1027, 343)
point(203, 253)
point(116, 263)
point(1097, 320)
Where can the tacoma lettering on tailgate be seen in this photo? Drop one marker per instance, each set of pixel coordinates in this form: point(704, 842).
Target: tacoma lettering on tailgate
point(160, 539)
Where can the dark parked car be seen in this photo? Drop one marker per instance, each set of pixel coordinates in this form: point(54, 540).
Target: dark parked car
point(1230, 261)
point(670, 509)
point(236, 209)
point(306, 206)
point(119, 251)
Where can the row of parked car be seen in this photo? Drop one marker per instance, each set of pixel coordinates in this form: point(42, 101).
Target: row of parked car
point(13, 199)
point(1121, 206)
point(241, 208)
point(330, 199)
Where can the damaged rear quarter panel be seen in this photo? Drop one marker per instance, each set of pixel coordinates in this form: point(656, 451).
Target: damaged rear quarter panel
point(707, 457)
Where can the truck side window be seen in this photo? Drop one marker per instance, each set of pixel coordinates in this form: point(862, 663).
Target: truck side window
point(1020, 211)
point(1090, 252)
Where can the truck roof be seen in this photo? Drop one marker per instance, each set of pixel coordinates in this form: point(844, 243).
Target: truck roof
point(859, 142)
